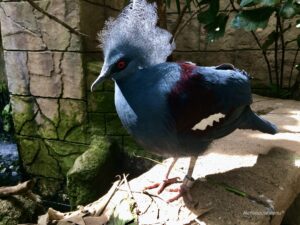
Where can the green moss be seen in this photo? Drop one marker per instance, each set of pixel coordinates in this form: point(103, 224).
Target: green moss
point(94, 67)
point(132, 148)
point(45, 164)
point(77, 134)
point(114, 125)
point(28, 149)
point(94, 168)
point(72, 114)
point(61, 149)
point(46, 129)
point(49, 187)
point(17, 210)
point(23, 110)
point(96, 125)
point(30, 128)
point(109, 85)
point(92, 71)
point(101, 102)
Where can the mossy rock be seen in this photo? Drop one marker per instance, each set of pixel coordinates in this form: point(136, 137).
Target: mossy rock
point(93, 171)
point(17, 210)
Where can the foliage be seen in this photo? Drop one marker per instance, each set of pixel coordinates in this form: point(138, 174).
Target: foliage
point(253, 16)
point(6, 124)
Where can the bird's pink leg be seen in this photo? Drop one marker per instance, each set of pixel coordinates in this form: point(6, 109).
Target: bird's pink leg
point(167, 181)
point(187, 183)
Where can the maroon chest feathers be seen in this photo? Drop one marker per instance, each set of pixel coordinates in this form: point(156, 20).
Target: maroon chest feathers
point(190, 99)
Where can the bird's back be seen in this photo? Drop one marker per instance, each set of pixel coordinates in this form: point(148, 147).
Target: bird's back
point(180, 108)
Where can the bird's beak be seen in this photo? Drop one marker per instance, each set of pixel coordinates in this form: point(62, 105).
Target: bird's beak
point(105, 74)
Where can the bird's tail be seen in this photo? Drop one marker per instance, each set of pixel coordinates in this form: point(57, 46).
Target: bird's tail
point(254, 122)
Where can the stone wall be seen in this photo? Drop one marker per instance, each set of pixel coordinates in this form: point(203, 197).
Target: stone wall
point(49, 72)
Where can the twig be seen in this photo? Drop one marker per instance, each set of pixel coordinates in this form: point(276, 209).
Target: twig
point(145, 193)
point(259, 45)
point(179, 20)
point(293, 66)
point(187, 22)
point(233, 6)
point(281, 30)
point(108, 197)
point(71, 29)
point(131, 195)
point(19, 189)
point(162, 15)
point(276, 53)
point(264, 52)
point(158, 162)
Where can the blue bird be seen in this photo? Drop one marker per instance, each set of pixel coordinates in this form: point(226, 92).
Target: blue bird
point(172, 109)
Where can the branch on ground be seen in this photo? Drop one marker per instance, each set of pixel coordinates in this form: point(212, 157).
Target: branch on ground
point(20, 189)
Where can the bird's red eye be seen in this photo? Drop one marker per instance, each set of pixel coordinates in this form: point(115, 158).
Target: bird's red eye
point(121, 64)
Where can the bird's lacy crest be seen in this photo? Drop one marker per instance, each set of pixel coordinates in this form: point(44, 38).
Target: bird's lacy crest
point(136, 28)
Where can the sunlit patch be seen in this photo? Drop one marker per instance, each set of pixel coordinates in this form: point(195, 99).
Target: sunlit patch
point(203, 124)
point(297, 162)
point(296, 126)
point(277, 137)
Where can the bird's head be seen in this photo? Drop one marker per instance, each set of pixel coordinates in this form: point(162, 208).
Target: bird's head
point(133, 41)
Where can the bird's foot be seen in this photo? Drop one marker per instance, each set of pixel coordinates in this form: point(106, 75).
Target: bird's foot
point(187, 183)
point(183, 189)
point(162, 185)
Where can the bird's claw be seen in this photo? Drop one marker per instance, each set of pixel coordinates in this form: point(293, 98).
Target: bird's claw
point(184, 187)
point(162, 185)
point(187, 183)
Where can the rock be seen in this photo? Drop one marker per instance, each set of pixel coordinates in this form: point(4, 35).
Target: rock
point(72, 70)
point(93, 171)
point(49, 108)
point(44, 86)
point(40, 63)
point(23, 111)
point(18, 210)
point(19, 28)
point(16, 72)
point(292, 216)
point(70, 120)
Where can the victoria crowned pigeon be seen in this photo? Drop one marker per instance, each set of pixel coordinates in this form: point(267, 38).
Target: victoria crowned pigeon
point(171, 108)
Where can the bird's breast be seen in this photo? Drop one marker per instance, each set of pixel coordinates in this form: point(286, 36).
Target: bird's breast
point(144, 113)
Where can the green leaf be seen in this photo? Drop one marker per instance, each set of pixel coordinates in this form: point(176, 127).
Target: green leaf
point(246, 2)
point(209, 15)
point(269, 41)
point(251, 20)
point(288, 9)
point(262, 2)
point(269, 2)
point(124, 213)
point(216, 29)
